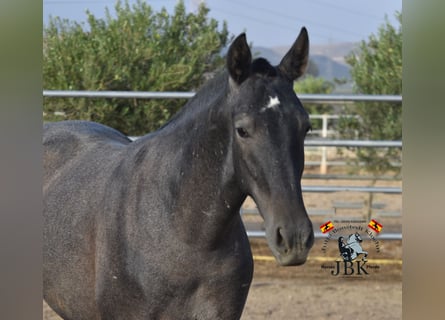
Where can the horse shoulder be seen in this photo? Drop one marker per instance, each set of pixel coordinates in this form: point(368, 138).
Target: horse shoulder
point(65, 142)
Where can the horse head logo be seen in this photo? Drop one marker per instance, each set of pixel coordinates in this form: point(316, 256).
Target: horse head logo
point(351, 249)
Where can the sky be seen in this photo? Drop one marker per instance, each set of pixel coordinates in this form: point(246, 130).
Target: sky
point(266, 23)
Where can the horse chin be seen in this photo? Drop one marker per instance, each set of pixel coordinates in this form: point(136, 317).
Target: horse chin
point(291, 260)
point(290, 257)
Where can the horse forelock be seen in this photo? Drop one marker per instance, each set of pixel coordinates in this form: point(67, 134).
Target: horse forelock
point(261, 66)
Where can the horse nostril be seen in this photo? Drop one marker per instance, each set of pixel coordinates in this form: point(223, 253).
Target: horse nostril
point(310, 240)
point(280, 239)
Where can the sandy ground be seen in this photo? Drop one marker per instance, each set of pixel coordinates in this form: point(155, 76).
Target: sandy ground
point(310, 291)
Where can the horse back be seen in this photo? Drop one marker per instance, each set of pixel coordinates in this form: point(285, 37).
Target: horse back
point(65, 141)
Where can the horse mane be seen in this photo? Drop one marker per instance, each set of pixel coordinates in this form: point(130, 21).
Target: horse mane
point(218, 84)
point(205, 97)
point(214, 90)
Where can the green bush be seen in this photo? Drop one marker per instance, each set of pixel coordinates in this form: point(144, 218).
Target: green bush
point(315, 85)
point(377, 69)
point(135, 49)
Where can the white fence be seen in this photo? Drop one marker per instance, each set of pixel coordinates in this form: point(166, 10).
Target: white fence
point(305, 98)
point(309, 98)
point(323, 143)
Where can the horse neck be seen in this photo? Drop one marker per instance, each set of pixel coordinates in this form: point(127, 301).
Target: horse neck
point(352, 240)
point(207, 196)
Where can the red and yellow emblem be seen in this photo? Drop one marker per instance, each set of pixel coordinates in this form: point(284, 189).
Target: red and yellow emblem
point(374, 225)
point(326, 227)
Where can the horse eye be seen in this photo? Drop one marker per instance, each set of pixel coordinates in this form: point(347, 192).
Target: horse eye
point(242, 132)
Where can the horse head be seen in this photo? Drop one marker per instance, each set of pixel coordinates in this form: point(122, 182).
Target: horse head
point(354, 238)
point(269, 125)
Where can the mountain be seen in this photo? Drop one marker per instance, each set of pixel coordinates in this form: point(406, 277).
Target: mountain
point(330, 69)
point(329, 59)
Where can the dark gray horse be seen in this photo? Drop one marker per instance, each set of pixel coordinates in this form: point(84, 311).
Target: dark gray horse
point(151, 229)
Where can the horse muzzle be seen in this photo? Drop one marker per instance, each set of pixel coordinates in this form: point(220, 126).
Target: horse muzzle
point(290, 245)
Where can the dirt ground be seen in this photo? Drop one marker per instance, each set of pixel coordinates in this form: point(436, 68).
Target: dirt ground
point(310, 291)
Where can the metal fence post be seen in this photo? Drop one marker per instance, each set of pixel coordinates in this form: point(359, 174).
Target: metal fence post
point(324, 134)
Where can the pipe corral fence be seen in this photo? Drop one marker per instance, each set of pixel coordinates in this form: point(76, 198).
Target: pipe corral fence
point(323, 142)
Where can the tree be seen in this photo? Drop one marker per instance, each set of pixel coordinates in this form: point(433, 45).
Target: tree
point(315, 85)
point(137, 50)
point(377, 69)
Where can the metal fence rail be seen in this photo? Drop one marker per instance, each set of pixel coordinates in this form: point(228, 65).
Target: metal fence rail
point(344, 143)
point(305, 98)
point(322, 189)
point(313, 98)
point(353, 143)
point(319, 235)
point(117, 94)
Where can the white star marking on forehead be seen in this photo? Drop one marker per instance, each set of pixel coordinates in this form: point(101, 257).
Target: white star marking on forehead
point(273, 102)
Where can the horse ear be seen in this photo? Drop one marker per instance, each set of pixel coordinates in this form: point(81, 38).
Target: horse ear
point(296, 59)
point(239, 59)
